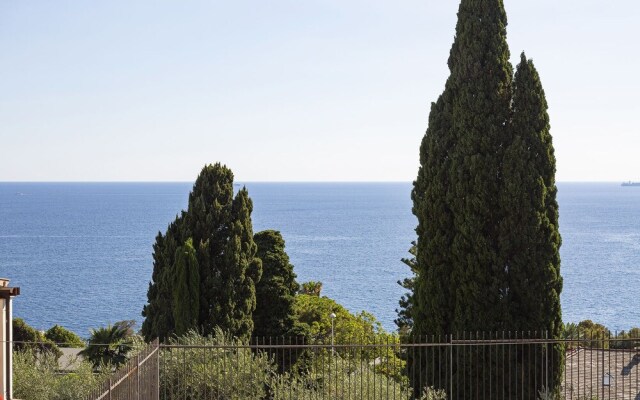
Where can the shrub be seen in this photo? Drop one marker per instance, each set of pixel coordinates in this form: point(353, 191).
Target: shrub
point(28, 338)
point(313, 313)
point(336, 377)
point(63, 337)
point(213, 372)
point(36, 377)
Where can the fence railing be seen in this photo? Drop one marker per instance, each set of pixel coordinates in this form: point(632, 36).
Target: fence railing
point(138, 379)
point(467, 366)
point(493, 366)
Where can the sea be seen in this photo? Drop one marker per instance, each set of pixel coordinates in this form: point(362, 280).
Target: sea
point(81, 252)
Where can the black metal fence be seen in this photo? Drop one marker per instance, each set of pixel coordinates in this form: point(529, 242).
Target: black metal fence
point(138, 379)
point(494, 366)
point(504, 365)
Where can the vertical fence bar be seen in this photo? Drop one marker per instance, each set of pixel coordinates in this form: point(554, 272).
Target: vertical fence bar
point(508, 366)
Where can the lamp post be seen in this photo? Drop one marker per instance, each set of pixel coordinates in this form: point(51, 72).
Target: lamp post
point(333, 318)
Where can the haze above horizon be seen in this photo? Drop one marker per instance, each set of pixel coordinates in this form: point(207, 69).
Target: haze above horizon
point(315, 91)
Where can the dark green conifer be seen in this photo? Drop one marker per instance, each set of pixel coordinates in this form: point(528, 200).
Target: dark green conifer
point(405, 312)
point(219, 225)
point(158, 312)
point(530, 238)
point(275, 293)
point(186, 289)
point(456, 195)
point(483, 181)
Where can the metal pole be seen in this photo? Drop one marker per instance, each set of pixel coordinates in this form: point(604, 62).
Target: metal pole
point(332, 343)
point(138, 376)
point(451, 366)
point(333, 318)
point(9, 338)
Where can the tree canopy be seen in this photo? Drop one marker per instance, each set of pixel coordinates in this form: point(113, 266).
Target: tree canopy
point(487, 254)
point(275, 293)
point(218, 223)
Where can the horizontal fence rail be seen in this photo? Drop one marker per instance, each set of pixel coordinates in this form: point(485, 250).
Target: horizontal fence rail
point(138, 379)
point(493, 366)
point(503, 365)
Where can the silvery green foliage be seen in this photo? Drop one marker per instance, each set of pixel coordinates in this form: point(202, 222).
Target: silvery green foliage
point(333, 376)
point(36, 377)
point(215, 371)
point(431, 393)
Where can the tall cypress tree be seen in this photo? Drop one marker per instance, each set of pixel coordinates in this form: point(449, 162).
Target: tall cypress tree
point(186, 289)
point(472, 199)
point(219, 224)
point(275, 293)
point(530, 238)
point(456, 195)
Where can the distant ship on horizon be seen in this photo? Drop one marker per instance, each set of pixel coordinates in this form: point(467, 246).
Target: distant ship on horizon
point(629, 183)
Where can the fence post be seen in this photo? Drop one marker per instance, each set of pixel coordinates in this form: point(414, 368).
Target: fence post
point(110, 383)
point(138, 376)
point(451, 366)
point(157, 346)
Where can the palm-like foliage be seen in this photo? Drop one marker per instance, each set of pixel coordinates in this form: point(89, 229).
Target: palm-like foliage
point(108, 345)
point(312, 288)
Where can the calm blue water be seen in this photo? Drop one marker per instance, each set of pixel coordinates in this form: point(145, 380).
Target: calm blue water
point(82, 252)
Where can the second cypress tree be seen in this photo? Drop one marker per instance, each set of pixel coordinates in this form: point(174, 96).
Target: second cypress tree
point(530, 238)
point(275, 293)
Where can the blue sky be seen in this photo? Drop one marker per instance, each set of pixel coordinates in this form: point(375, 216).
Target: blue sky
point(289, 90)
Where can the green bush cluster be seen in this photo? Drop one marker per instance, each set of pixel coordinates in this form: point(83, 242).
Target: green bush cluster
point(339, 376)
point(591, 334)
point(213, 372)
point(26, 337)
point(221, 367)
point(313, 316)
point(63, 337)
point(36, 377)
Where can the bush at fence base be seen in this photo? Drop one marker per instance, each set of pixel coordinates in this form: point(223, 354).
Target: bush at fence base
point(218, 367)
point(36, 377)
point(334, 377)
point(213, 372)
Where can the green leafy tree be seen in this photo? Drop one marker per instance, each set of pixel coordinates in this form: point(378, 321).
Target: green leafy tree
point(63, 337)
point(313, 315)
point(26, 337)
point(219, 225)
point(593, 335)
point(108, 347)
point(186, 289)
point(275, 293)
